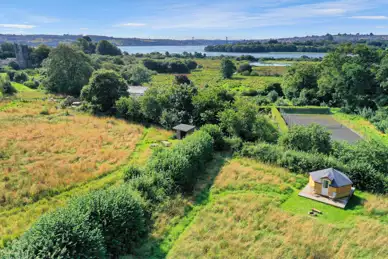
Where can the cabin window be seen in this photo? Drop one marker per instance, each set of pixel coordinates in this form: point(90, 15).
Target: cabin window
point(325, 184)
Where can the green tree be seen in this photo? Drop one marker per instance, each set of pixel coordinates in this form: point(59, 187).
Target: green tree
point(301, 76)
point(104, 47)
point(244, 121)
point(227, 68)
point(118, 213)
point(39, 54)
point(244, 67)
point(104, 89)
point(313, 138)
point(137, 75)
point(129, 108)
point(67, 70)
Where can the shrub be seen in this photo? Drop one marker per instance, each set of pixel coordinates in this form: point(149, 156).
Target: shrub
point(34, 84)
point(312, 138)
point(245, 68)
point(20, 77)
point(233, 144)
point(215, 132)
point(104, 89)
point(11, 74)
point(129, 108)
point(65, 233)
point(153, 187)
point(14, 65)
point(6, 86)
point(184, 161)
point(182, 79)
point(119, 215)
point(132, 172)
point(44, 111)
point(104, 47)
point(246, 73)
point(273, 96)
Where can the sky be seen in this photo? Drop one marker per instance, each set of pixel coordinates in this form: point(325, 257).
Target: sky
point(201, 19)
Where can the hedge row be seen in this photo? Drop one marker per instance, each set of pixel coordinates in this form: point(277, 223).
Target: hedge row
point(363, 175)
point(99, 225)
point(305, 110)
point(185, 161)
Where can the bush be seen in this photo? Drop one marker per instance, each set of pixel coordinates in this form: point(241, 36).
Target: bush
point(181, 79)
point(184, 161)
point(273, 96)
point(32, 84)
point(215, 132)
point(132, 172)
point(11, 74)
point(6, 86)
point(44, 111)
point(246, 73)
point(104, 47)
point(65, 233)
point(14, 65)
point(129, 108)
point(153, 187)
point(312, 138)
point(245, 68)
point(233, 144)
point(104, 89)
point(118, 214)
point(20, 77)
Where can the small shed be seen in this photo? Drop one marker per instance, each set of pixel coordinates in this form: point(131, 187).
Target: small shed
point(182, 130)
point(137, 90)
point(331, 183)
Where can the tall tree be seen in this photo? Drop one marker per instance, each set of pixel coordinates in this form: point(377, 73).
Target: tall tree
point(67, 70)
point(104, 89)
point(227, 68)
point(104, 47)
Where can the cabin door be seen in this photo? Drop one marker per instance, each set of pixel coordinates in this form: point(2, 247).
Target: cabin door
point(325, 187)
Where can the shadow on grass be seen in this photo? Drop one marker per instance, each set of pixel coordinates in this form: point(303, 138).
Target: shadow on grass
point(159, 247)
point(355, 202)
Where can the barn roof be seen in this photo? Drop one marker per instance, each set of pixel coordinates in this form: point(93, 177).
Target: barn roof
point(184, 127)
point(336, 177)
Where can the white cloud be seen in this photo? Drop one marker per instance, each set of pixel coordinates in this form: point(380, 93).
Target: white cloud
point(130, 24)
point(17, 26)
point(250, 15)
point(381, 17)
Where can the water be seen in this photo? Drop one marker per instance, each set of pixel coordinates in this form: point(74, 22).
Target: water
point(201, 49)
point(260, 64)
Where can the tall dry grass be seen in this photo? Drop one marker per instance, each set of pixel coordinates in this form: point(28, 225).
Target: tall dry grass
point(42, 155)
point(250, 226)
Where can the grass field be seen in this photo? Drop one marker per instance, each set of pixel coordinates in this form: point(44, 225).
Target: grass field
point(49, 155)
point(210, 75)
point(253, 211)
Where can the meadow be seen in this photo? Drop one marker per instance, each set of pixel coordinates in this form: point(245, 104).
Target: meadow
point(210, 75)
point(49, 155)
point(254, 212)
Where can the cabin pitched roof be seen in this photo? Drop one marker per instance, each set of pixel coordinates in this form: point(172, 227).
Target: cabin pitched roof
point(184, 127)
point(336, 177)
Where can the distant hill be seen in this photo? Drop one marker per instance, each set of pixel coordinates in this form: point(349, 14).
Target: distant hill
point(53, 40)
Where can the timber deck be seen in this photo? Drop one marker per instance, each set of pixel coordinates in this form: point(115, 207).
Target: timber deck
point(308, 192)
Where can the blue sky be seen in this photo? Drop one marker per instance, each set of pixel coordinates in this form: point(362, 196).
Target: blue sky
point(210, 19)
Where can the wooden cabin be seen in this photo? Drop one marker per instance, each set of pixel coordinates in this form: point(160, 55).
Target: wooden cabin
point(182, 130)
point(330, 183)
